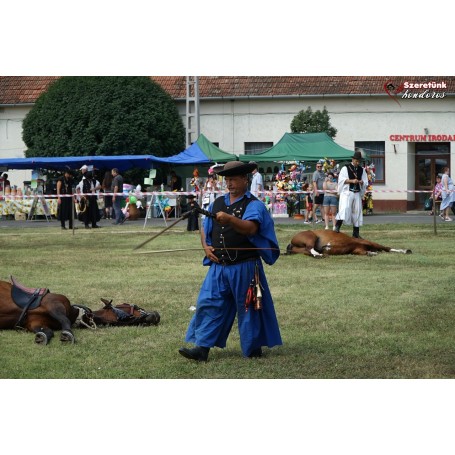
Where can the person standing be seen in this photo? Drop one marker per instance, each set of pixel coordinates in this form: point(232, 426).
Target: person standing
point(318, 186)
point(89, 189)
point(176, 182)
point(193, 218)
point(209, 192)
point(6, 182)
point(84, 170)
point(65, 205)
point(241, 234)
point(308, 203)
point(352, 184)
point(330, 203)
point(117, 187)
point(107, 188)
point(448, 195)
point(257, 184)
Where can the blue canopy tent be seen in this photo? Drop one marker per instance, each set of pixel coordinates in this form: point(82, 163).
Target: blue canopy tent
point(201, 151)
point(121, 162)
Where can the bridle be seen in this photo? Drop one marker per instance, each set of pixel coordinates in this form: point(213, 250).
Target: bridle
point(84, 312)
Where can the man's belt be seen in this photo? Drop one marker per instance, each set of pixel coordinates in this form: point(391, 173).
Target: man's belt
point(228, 262)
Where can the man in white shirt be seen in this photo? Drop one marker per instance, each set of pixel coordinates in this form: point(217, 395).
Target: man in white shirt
point(257, 185)
point(352, 184)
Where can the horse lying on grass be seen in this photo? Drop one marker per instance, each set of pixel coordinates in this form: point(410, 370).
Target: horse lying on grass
point(324, 242)
point(40, 311)
point(124, 314)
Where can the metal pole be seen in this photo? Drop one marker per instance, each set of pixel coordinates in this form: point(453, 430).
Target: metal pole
point(72, 213)
point(434, 213)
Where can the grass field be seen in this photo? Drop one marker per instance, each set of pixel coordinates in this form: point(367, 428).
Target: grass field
point(389, 316)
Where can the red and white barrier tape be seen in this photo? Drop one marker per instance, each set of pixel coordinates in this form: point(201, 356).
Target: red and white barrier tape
point(186, 193)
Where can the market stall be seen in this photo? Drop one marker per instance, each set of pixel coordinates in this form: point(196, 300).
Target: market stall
point(20, 207)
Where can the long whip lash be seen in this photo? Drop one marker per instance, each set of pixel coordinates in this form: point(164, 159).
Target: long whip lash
point(183, 217)
point(200, 249)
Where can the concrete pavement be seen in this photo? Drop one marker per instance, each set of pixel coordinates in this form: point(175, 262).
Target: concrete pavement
point(414, 217)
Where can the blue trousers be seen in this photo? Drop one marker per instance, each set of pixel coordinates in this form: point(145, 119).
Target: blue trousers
point(221, 298)
point(117, 204)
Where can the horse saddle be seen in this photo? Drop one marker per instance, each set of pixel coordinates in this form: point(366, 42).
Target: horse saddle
point(26, 298)
point(126, 308)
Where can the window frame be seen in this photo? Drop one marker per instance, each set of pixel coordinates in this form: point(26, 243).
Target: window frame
point(254, 148)
point(375, 155)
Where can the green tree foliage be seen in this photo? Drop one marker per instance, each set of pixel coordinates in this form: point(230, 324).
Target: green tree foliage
point(80, 116)
point(313, 122)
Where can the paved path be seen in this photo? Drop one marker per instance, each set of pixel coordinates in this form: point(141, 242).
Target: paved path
point(399, 218)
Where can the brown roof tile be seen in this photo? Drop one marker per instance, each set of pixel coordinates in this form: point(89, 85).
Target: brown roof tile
point(26, 89)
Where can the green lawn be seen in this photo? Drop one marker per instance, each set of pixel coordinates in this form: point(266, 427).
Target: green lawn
point(389, 316)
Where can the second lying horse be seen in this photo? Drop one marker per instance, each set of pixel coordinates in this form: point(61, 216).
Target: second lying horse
point(323, 242)
point(124, 314)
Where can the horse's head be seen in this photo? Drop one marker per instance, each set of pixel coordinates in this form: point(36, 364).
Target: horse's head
point(107, 315)
point(125, 314)
point(140, 315)
point(85, 317)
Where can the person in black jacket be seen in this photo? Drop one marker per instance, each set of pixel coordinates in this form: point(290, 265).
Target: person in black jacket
point(64, 188)
point(89, 190)
point(193, 219)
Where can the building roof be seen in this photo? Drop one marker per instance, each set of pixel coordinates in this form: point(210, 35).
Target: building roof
point(27, 89)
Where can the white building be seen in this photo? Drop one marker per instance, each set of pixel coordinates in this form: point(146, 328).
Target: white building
point(406, 123)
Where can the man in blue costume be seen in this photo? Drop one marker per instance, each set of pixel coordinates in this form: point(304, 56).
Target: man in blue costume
point(234, 242)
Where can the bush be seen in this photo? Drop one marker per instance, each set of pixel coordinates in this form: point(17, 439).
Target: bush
point(80, 116)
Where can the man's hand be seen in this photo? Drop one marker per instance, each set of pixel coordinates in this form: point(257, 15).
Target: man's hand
point(245, 227)
point(224, 218)
point(209, 252)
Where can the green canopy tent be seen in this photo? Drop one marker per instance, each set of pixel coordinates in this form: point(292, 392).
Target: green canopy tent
point(302, 147)
point(201, 151)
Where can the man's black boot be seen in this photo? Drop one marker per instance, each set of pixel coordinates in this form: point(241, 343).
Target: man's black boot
point(338, 225)
point(198, 353)
point(255, 353)
point(355, 232)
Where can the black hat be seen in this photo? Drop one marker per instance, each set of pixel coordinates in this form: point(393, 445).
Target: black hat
point(191, 196)
point(236, 168)
point(357, 155)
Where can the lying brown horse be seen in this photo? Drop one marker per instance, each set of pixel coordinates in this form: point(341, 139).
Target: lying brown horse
point(325, 242)
point(124, 314)
point(40, 311)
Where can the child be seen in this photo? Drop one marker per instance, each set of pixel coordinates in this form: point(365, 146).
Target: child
point(437, 193)
point(308, 203)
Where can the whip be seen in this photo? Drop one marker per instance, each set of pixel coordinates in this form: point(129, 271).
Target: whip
point(183, 217)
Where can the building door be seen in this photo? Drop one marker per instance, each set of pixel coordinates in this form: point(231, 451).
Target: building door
point(431, 158)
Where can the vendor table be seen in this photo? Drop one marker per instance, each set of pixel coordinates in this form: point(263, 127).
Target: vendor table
point(9, 205)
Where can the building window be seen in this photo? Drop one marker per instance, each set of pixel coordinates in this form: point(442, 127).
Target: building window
point(376, 153)
point(253, 148)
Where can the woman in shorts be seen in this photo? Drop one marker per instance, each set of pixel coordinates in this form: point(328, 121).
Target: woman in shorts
point(330, 203)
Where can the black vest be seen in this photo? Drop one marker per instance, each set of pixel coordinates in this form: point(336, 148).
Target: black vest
point(67, 186)
point(354, 173)
point(225, 237)
point(86, 185)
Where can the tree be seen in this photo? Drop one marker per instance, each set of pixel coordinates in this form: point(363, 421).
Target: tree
point(313, 122)
point(80, 116)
